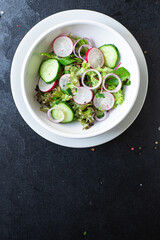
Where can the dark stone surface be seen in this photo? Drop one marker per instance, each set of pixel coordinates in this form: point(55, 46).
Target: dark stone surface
point(52, 192)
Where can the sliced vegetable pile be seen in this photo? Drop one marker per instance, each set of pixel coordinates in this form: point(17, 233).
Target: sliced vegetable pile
point(80, 82)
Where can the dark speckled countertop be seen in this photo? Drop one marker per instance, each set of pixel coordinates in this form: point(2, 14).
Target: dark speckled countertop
point(49, 192)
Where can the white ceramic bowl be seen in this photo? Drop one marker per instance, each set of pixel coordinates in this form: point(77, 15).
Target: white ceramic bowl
point(101, 34)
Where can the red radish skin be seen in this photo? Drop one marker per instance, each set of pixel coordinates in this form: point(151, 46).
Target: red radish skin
point(87, 53)
point(95, 57)
point(44, 87)
point(62, 46)
point(84, 96)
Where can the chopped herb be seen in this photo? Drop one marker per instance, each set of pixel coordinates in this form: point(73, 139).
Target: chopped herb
point(66, 72)
point(54, 99)
point(69, 91)
point(100, 95)
point(65, 92)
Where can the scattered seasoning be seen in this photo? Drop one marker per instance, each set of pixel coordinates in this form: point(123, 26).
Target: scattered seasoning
point(92, 149)
point(17, 26)
point(145, 51)
point(155, 147)
point(85, 233)
point(140, 184)
point(101, 183)
point(156, 142)
point(136, 150)
point(90, 202)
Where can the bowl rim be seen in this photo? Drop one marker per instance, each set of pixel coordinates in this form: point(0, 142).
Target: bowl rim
point(39, 121)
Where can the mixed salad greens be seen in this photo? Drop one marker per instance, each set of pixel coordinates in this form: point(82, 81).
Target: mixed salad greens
point(80, 82)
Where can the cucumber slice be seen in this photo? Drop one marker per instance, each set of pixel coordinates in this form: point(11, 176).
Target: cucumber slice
point(99, 114)
point(56, 114)
point(111, 55)
point(67, 110)
point(49, 70)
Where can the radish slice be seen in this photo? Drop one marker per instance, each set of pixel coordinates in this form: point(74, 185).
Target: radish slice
point(62, 46)
point(95, 57)
point(63, 81)
point(50, 118)
point(83, 95)
point(74, 46)
point(79, 50)
point(104, 104)
point(118, 86)
point(99, 75)
point(44, 87)
point(102, 118)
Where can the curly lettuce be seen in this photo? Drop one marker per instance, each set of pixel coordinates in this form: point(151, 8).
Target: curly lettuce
point(84, 114)
point(119, 96)
point(104, 71)
point(49, 98)
point(76, 73)
point(85, 67)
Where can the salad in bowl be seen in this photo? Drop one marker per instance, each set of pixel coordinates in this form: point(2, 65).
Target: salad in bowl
point(79, 81)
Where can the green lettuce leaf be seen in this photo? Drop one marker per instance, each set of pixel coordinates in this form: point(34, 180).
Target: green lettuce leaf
point(49, 55)
point(122, 73)
point(64, 60)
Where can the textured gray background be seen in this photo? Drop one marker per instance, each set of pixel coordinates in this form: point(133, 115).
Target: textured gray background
point(52, 192)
